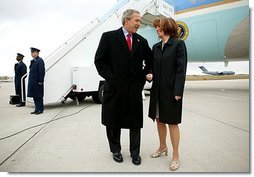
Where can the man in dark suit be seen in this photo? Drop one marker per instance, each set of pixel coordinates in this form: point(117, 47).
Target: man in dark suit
point(123, 59)
point(35, 81)
point(20, 70)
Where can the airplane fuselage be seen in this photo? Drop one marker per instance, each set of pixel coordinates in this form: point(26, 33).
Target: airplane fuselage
point(213, 30)
point(219, 73)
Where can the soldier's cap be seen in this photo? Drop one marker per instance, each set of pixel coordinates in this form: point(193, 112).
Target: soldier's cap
point(20, 55)
point(34, 49)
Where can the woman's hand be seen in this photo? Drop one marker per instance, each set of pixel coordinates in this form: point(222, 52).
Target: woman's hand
point(149, 77)
point(178, 98)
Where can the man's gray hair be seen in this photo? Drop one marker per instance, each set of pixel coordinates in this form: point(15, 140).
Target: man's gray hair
point(127, 14)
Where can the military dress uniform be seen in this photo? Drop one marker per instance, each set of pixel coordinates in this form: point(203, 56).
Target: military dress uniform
point(20, 70)
point(35, 82)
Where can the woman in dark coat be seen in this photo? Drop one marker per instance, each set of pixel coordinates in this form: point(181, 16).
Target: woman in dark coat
point(168, 75)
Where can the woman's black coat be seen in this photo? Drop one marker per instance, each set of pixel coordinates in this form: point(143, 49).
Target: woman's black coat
point(169, 71)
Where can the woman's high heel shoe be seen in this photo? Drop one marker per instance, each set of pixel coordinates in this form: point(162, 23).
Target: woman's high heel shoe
point(158, 153)
point(174, 165)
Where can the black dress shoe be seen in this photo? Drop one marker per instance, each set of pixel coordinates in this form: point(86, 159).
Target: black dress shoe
point(38, 112)
point(20, 105)
point(118, 157)
point(33, 112)
point(136, 160)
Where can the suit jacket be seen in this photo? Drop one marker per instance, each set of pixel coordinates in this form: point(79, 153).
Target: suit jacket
point(124, 72)
point(36, 76)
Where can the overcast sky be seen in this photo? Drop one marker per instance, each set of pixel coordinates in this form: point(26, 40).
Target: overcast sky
point(47, 24)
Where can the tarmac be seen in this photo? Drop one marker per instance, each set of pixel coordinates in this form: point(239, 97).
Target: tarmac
point(215, 134)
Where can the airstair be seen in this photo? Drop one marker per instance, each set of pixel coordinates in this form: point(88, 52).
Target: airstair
point(70, 70)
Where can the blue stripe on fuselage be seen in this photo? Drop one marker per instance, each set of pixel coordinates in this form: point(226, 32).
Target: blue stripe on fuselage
point(187, 4)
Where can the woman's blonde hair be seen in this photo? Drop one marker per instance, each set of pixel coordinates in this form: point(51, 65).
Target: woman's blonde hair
point(167, 25)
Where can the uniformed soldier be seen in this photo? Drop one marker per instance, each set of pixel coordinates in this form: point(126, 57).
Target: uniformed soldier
point(35, 81)
point(20, 70)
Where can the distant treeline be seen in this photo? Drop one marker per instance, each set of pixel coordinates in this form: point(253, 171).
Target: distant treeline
point(220, 77)
point(5, 78)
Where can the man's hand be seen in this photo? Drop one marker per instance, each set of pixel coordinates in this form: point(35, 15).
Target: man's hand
point(178, 98)
point(149, 77)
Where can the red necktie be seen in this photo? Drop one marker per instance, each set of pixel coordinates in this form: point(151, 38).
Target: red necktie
point(129, 41)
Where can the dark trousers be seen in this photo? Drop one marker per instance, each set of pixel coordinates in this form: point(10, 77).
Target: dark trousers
point(38, 102)
point(22, 96)
point(114, 135)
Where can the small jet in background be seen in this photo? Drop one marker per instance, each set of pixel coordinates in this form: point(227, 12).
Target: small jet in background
point(216, 72)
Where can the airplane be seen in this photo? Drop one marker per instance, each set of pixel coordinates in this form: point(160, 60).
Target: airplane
point(216, 72)
point(213, 30)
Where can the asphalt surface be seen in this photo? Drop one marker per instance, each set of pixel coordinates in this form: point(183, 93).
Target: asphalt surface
point(215, 134)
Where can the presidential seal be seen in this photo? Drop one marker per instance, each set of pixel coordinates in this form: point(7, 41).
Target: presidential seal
point(183, 30)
